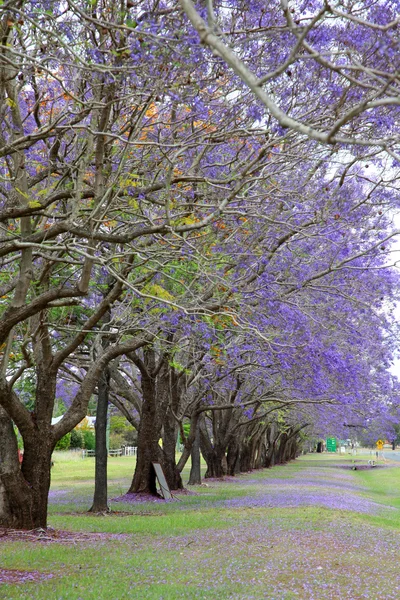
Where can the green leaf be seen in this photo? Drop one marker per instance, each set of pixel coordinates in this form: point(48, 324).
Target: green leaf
point(24, 194)
point(34, 204)
point(158, 291)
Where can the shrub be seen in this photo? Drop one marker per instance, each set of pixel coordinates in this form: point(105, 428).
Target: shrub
point(89, 440)
point(116, 441)
point(130, 437)
point(120, 426)
point(64, 443)
point(77, 440)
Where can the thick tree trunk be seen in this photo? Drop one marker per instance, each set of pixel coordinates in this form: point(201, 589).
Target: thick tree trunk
point(233, 457)
point(213, 454)
point(245, 456)
point(259, 449)
point(272, 436)
point(254, 452)
point(195, 470)
point(170, 407)
point(215, 466)
point(36, 469)
point(170, 437)
point(292, 449)
point(293, 444)
point(16, 497)
point(188, 444)
point(280, 458)
point(148, 449)
point(100, 498)
point(156, 393)
point(262, 453)
point(26, 490)
point(288, 445)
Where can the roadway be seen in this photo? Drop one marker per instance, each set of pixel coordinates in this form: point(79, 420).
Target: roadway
point(392, 454)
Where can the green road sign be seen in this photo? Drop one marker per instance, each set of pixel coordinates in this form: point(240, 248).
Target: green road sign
point(331, 444)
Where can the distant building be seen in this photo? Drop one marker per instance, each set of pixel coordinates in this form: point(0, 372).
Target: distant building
point(87, 422)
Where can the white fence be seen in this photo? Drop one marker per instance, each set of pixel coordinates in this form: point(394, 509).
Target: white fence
point(86, 453)
point(129, 451)
point(125, 451)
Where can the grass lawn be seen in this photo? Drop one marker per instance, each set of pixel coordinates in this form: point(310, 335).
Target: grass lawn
point(313, 529)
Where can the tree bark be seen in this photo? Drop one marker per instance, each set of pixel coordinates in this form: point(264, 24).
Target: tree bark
point(32, 482)
point(195, 470)
point(148, 449)
point(170, 437)
point(16, 497)
point(188, 443)
point(100, 498)
point(245, 456)
point(272, 436)
point(280, 457)
point(156, 393)
point(213, 453)
point(36, 469)
point(233, 457)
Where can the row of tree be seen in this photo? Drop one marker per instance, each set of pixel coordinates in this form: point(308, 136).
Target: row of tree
point(171, 248)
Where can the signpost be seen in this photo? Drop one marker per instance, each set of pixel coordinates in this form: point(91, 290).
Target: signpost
point(166, 492)
point(331, 445)
point(379, 449)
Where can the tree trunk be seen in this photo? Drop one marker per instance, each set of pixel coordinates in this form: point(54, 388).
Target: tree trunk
point(258, 453)
point(215, 466)
point(100, 498)
point(292, 450)
point(262, 453)
point(148, 449)
point(233, 457)
point(245, 456)
point(170, 437)
point(281, 452)
point(36, 469)
point(16, 497)
point(213, 454)
point(254, 451)
point(195, 470)
point(170, 407)
point(272, 436)
point(26, 490)
point(188, 444)
point(156, 393)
